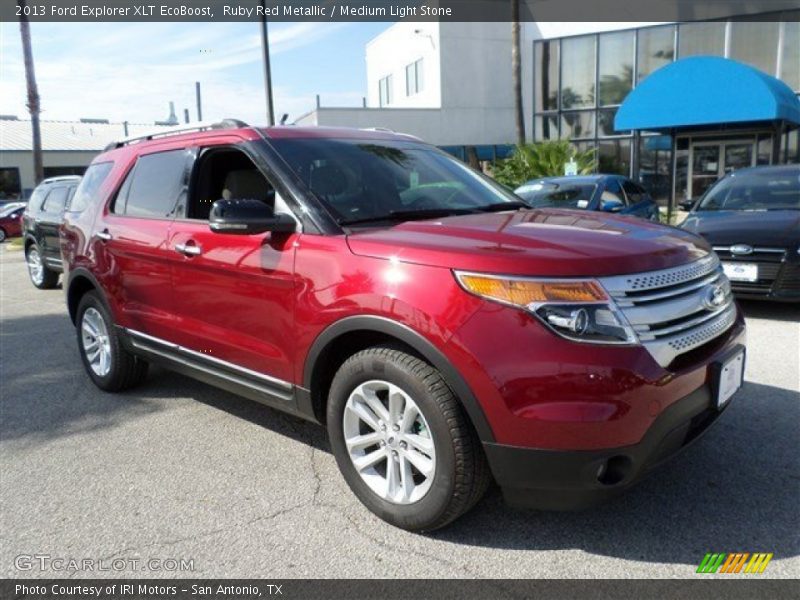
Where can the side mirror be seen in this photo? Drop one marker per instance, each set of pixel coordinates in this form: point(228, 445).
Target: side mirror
point(246, 217)
point(612, 206)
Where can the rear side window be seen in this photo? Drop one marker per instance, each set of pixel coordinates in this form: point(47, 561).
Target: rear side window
point(89, 186)
point(154, 185)
point(56, 200)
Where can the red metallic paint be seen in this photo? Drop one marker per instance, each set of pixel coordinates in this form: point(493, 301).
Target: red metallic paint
point(12, 226)
point(260, 301)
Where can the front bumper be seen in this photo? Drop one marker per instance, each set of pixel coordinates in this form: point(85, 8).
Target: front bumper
point(572, 480)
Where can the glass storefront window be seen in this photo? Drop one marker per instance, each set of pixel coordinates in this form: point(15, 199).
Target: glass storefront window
point(616, 66)
point(790, 56)
point(605, 123)
point(655, 162)
point(615, 156)
point(764, 152)
point(546, 69)
point(756, 44)
point(578, 60)
point(701, 38)
point(545, 127)
point(577, 124)
point(656, 49)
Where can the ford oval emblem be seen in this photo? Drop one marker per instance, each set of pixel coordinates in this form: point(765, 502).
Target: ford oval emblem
point(741, 249)
point(714, 298)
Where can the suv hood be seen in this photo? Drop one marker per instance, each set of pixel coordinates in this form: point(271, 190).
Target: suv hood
point(546, 242)
point(773, 228)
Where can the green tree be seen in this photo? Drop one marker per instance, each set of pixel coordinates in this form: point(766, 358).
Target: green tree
point(543, 159)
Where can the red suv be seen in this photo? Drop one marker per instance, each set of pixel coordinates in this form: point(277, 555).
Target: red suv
point(445, 333)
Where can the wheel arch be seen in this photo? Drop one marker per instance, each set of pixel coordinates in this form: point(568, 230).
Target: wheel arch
point(80, 282)
point(351, 334)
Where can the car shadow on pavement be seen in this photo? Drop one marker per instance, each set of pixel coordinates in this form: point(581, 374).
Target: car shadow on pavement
point(775, 311)
point(735, 490)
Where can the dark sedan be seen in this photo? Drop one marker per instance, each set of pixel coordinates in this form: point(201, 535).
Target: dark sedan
point(607, 193)
point(752, 219)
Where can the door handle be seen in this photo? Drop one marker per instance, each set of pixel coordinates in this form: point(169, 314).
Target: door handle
point(189, 249)
point(104, 235)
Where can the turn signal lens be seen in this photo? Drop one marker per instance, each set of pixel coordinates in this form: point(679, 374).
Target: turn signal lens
point(524, 292)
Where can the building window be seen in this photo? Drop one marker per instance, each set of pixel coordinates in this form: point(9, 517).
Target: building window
point(614, 156)
point(655, 164)
point(9, 183)
point(755, 43)
point(790, 57)
point(615, 66)
point(385, 91)
point(546, 127)
point(578, 62)
point(701, 38)
point(656, 49)
point(577, 124)
point(546, 68)
point(414, 78)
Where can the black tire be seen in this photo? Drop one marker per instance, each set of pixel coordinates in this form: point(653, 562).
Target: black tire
point(461, 474)
point(48, 278)
point(2, 235)
point(126, 370)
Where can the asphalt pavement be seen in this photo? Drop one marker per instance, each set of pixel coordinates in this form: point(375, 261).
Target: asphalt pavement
point(179, 471)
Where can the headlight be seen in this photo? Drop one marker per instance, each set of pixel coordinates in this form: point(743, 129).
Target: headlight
point(576, 309)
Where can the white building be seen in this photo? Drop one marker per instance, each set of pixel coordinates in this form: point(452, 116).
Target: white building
point(67, 149)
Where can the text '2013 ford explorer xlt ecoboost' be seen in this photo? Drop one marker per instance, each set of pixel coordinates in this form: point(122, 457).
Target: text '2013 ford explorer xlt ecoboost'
point(444, 332)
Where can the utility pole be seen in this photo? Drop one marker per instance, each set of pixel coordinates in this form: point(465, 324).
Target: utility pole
point(34, 107)
point(199, 103)
point(267, 69)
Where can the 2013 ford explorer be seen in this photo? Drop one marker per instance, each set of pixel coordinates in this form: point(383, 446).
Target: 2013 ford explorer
point(445, 333)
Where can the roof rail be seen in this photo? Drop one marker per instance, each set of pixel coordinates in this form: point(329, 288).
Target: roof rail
point(185, 128)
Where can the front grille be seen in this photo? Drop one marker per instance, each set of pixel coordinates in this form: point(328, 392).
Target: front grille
point(788, 281)
point(769, 262)
point(669, 309)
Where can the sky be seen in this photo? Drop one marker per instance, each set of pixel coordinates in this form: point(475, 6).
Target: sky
point(131, 71)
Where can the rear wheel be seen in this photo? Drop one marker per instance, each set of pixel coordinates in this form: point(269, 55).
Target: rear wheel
point(402, 441)
point(2, 235)
point(42, 277)
point(110, 366)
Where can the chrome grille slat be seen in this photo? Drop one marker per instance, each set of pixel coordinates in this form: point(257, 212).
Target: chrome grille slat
point(668, 310)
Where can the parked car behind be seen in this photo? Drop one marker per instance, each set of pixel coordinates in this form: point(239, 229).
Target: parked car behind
point(11, 220)
point(751, 217)
point(607, 193)
point(444, 332)
point(40, 223)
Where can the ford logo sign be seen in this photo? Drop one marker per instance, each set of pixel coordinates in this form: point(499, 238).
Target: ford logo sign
point(714, 298)
point(741, 249)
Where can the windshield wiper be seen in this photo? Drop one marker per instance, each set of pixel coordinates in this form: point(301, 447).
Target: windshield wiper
point(501, 206)
point(410, 215)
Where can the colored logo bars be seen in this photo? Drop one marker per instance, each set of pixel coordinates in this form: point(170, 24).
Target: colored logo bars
point(735, 563)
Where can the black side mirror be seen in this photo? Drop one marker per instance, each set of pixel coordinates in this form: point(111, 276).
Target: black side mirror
point(248, 216)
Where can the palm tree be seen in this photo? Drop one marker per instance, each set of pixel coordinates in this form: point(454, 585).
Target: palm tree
point(33, 91)
point(516, 72)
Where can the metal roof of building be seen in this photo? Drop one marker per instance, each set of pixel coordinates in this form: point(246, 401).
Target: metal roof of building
point(66, 135)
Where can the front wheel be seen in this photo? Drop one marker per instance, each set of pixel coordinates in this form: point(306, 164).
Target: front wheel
point(42, 277)
point(2, 235)
point(111, 367)
point(402, 440)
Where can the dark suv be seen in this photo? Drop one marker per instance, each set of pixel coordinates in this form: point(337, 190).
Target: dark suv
point(444, 332)
point(40, 223)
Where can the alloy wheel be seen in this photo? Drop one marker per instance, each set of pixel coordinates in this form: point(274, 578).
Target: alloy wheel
point(96, 343)
point(389, 442)
point(35, 266)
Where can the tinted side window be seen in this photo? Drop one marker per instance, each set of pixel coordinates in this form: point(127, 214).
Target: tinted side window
point(86, 193)
point(612, 192)
point(633, 192)
point(153, 187)
point(56, 200)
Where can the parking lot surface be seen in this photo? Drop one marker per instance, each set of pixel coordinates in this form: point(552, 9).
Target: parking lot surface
point(179, 470)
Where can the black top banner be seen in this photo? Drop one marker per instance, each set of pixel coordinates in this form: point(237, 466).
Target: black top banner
point(395, 10)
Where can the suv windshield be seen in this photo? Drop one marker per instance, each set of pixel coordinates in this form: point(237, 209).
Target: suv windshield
point(570, 195)
point(768, 190)
point(372, 181)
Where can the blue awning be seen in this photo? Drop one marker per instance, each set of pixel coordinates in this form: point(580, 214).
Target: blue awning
point(706, 90)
